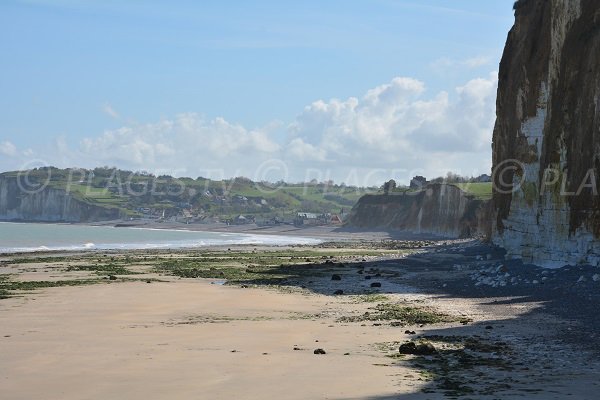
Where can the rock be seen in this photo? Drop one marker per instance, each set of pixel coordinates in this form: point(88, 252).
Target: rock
point(112, 277)
point(375, 284)
point(319, 351)
point(421, 349)
point(367, 277)
point(409, 332)
point(360, 272)
point(548, 91)
point(297, 348)
point(489, 327)
point(338, 292)
point(336, 277)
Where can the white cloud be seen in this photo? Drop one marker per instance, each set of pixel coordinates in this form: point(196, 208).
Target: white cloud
point(7, 148)
point(442, 65)
point(476, 62)
point(397, 130)
point(110, 111)
point(395, 127)
point(186, 144)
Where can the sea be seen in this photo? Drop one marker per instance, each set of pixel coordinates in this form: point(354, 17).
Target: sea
point(29, 237)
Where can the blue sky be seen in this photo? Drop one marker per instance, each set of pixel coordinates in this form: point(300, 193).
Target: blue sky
point(77, 74)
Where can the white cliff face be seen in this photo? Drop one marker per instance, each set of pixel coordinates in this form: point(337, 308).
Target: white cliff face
point(539, 226)
point(442, 210)
point(47, 205)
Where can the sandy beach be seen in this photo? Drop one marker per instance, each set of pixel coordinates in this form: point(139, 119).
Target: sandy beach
point(153, 325)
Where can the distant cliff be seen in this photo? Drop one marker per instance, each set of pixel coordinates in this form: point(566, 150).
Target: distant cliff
point(438, 209)
point(546, 145)
point(47, 205)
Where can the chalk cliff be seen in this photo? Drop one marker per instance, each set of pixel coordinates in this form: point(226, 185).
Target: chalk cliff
point(47, 205)
point(546, 144)
point(439, 209)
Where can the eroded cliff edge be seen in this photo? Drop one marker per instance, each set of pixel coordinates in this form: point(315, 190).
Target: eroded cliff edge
point(547, 136)
point(439, 209)
point(47, 205)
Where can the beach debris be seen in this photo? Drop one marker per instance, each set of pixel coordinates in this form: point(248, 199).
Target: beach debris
point(338, 292)
point(409, 332)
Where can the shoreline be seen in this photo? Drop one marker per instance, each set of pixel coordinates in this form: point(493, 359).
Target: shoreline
point(304, 236)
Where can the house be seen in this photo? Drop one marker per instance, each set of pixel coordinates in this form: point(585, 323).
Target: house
point(243, 220)
point(311, 219)
point(335, 220)
point(483, 178)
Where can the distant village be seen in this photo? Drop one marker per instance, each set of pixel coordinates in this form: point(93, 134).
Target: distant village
point(184, 212)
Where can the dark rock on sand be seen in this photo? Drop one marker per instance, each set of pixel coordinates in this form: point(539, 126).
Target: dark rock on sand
point(421, 349)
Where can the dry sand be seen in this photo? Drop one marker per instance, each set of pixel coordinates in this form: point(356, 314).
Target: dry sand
point(175, 340)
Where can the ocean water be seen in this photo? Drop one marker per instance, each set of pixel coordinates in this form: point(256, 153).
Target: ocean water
point(25, 237)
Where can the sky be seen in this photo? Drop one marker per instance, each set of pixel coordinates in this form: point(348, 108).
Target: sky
point(354, 91)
